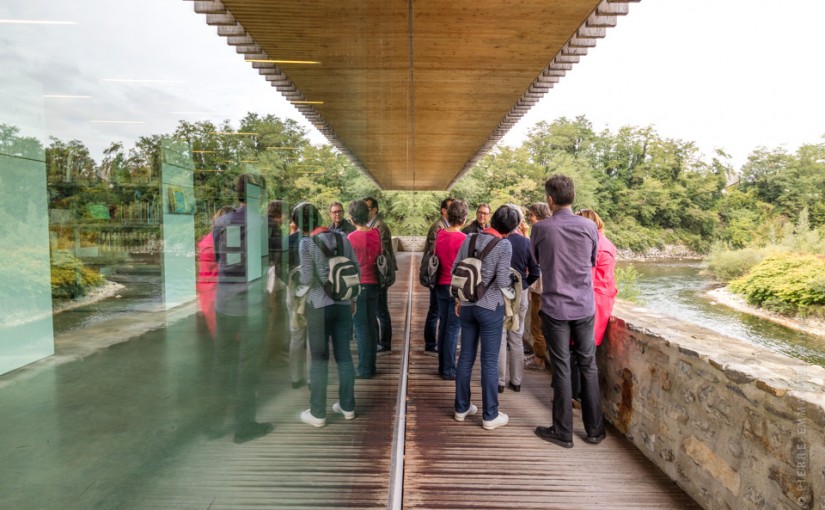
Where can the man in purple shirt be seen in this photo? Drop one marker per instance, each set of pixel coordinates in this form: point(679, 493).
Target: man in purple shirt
point(565, 248)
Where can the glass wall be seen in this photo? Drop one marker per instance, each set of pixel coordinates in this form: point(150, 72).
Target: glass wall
point(143, 363)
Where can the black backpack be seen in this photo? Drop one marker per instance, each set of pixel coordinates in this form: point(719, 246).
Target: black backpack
point(344, 280)
point(428, 270)
point(466, 284)
point(383, 271)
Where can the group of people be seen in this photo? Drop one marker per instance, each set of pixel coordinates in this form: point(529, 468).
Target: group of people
point(327, 323)
point(548, 271)
point(544, 266)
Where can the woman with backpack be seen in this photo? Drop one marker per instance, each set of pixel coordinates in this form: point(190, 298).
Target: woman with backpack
point(329, 317)
point(366, 242)
point(482, 317)
point(447, 243)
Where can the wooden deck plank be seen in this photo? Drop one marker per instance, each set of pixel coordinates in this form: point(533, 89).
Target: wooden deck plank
point(448, 464)
point(345, 464)
point(452, 464)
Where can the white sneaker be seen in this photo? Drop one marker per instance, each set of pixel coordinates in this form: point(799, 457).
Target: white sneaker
point(470, 410)
point(306, 417)
point(499, 421)
point(348, 415)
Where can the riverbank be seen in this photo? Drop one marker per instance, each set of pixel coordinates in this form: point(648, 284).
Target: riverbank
point(106, 290)
point(810, 326)
point(668, 252)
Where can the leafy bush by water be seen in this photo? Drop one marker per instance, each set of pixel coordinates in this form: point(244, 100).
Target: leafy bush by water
point(70, 277)
point(788, 283)
point(726, 264)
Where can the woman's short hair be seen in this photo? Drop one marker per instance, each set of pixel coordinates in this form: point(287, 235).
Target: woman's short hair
point(306, 217)
point(540, 210)
point(359, 213)
point(505, 219)
point(590, 214)
point(518, 209)
point(457, 213)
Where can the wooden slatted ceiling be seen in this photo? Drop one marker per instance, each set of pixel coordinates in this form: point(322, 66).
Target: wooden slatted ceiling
point(414, 100)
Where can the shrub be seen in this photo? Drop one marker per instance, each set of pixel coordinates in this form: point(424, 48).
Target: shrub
point(726, 264)
point(787, 283)
point(627, 233)
point(70, 278)
point(627, 279)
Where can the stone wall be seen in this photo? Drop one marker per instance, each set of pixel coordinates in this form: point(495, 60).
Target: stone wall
point(409, 243)
point(735, 425)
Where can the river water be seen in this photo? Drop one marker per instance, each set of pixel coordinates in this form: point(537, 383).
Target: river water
point(678, 289)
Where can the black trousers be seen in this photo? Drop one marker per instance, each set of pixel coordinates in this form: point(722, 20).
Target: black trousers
point(558, 335)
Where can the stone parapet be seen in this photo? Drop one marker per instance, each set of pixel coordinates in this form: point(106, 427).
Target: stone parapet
point(409, 243)
point(734, 424)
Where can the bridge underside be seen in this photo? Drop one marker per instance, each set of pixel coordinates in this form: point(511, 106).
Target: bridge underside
point(414, 93)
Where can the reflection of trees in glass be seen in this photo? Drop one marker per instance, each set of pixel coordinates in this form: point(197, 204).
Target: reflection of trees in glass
point(22, 282)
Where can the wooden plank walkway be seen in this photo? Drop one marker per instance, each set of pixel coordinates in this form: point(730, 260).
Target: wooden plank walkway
point(345, 464)
point(450, 464)
point(447, 464)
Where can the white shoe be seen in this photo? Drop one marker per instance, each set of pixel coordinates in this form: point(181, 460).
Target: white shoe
point(470, 410)
point(348, 415)
point(306, 417)
point(499, 421)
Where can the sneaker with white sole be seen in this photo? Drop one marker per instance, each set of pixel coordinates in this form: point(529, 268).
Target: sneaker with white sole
point(309, 419)
point(348, 415)
point(499, 421)
point(470, 410)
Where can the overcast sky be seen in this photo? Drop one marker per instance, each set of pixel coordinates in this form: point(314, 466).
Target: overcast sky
point(729, 74)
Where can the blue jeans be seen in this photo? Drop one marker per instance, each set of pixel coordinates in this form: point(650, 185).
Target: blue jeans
point(447, 331)
point(431, 322)
point(333, 324)
point(366, 328)
point(479, 325)
point(559, 334)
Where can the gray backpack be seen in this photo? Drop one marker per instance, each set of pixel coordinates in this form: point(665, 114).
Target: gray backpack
point(466, 284)
point(344, 280)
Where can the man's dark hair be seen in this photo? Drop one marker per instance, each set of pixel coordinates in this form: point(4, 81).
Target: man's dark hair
point(371, 202)
point(457, 213)
point(561, 189)
point(505, 219)
point(359, 213)
point(445, 204)
point(306, 217)
point(275, 209)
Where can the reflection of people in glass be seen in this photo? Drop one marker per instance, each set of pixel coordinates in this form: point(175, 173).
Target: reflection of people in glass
point(366, 242)
point(328, 321)
point(298, 359)
point(277, 234)
point(208, 273)
point(239, 317)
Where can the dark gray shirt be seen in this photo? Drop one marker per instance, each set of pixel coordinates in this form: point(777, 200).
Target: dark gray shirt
point(565, 246)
